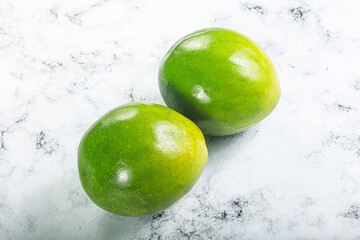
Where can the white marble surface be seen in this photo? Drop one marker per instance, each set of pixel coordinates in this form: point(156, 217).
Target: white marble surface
point(64, 63)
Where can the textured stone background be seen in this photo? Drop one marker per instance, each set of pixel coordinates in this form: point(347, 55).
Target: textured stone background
point(296, 175)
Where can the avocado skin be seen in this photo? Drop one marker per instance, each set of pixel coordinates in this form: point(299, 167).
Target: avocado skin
point(139, 159)
point(219, 79)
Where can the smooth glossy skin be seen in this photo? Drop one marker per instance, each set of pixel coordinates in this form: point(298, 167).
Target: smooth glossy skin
point(220, 79)
point(138, 159)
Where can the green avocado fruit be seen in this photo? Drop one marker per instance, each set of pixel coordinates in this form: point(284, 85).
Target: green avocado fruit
point(138, 159)
point(220, 79)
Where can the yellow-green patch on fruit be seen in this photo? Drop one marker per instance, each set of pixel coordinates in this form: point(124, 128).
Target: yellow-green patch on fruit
point(220, 79)
point(138, 159)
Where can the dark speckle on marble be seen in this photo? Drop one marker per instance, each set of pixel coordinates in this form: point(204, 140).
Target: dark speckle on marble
point(158, 215)
point(239, 205)
point(299, 14)
point(2, 141)
point(353, 212)
point(187, 234)
point(40, 140)
point(54, 12)
point(131, 95)
point(22, 118)
point(343, 107)
point(256, 8)
point(75, 18)
point(52, 66)
point(45, 144)
point(345, 142)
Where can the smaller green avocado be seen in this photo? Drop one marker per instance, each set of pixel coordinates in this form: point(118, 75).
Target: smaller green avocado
point(220, 79)
point(139, 159)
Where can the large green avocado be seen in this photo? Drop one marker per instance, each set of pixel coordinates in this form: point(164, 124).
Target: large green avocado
point(220, 79)
point(138, 159)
